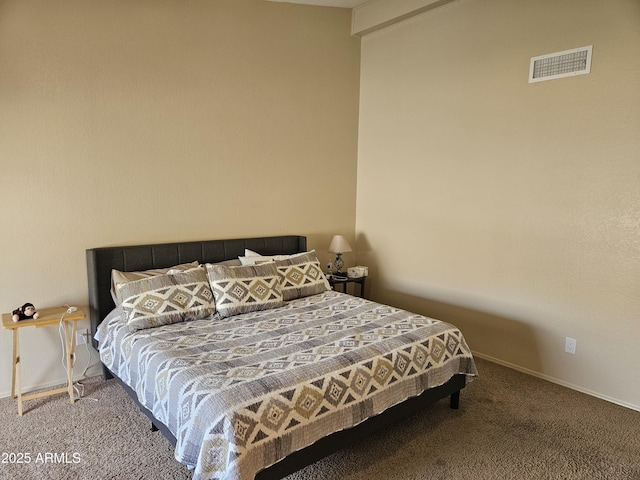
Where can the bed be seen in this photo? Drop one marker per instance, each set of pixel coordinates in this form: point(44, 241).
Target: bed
point(262, 388)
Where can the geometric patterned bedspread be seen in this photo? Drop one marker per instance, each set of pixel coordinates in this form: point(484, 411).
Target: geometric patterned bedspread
point(241, 393)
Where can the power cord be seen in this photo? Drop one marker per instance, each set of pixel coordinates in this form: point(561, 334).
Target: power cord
point(78, 387)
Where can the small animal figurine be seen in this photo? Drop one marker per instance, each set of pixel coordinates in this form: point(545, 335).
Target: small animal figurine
point(25, 312)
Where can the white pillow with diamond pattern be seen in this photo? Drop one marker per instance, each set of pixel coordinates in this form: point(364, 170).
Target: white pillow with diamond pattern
point(245, 288)
point(301, 276)
point(118, 278)
point(165, 299)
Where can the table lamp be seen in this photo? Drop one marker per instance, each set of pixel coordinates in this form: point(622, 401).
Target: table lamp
point(339, 245)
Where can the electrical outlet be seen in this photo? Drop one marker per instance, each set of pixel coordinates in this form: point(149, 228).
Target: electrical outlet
point(81, 336)
point(570, 345)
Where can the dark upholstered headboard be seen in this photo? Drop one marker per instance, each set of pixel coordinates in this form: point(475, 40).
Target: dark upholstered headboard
point(100, 262)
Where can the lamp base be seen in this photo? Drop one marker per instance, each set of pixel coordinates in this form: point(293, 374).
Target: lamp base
point(339, 264)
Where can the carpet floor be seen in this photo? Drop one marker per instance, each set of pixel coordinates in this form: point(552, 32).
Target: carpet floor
point(509, 426)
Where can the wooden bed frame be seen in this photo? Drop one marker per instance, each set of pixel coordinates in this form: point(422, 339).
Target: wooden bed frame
point(100, 262)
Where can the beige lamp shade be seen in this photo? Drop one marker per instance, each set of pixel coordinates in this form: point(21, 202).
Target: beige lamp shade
point(339, 244)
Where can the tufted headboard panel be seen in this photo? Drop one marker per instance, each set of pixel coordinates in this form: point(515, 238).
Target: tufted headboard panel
point(100, 262)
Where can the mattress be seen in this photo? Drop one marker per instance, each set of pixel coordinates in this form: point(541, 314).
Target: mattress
point(241, 393)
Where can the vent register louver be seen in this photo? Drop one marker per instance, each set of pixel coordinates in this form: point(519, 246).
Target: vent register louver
point(561, 64)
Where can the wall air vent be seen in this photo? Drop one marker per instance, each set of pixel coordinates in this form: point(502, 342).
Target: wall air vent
point(561, 64)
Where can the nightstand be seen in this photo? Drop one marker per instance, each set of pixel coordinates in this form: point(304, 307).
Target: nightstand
point(335, 282)
point(48, 317)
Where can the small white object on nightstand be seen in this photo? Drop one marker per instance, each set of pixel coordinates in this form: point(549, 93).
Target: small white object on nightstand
point(357, 271)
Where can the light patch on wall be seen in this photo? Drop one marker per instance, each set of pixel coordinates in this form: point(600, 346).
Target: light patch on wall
point(567, 63)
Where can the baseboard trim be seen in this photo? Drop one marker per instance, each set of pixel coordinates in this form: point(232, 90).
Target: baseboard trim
point(92, 371)
point(557, 381)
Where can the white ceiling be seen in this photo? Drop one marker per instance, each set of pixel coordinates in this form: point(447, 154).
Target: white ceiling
point(327, 3)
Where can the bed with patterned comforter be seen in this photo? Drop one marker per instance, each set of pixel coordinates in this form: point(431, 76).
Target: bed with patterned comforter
point(241, 393)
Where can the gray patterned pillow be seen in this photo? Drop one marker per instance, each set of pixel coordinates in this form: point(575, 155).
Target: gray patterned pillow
point(245, 289)
point(118, 278)
point(164, 299)
point(301, 276)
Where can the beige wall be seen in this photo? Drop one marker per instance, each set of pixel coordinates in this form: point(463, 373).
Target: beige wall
point(125, 122)
point(507, 208)
point(510, 209)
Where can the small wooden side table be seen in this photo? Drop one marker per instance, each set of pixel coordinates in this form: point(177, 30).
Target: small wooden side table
point(47, 318)
point(334, 282)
